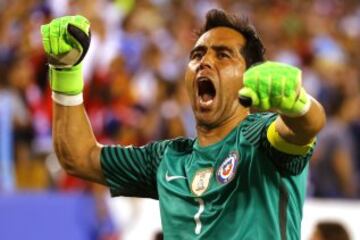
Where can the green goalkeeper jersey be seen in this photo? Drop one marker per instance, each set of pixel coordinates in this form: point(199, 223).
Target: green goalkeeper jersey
point(238, 188)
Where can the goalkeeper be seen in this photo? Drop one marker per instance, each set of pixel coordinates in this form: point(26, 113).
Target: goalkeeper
point(242, 177)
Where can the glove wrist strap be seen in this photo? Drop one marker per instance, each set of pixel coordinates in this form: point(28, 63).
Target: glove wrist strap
point(67, 100)
point(68, 81)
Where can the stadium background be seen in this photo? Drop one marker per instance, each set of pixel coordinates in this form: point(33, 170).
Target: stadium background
point(134, 94)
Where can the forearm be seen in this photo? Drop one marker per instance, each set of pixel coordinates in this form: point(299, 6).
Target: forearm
point(74, 142)
point(66, 41)
point(302, 130)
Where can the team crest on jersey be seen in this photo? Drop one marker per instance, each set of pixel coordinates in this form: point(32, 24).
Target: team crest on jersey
point(227, 169)
point(201, 181)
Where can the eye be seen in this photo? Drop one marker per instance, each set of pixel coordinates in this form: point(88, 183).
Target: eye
point(196, 55)
point(222, 55)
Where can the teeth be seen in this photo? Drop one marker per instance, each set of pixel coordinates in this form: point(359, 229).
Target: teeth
point(203, 79)
point(206, 103)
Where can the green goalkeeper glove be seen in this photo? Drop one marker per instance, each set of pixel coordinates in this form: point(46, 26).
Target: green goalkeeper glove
point(66, 41)
point(276, 86)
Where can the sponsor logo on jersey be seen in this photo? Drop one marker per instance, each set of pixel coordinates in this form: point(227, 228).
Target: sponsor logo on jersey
point(227, 169)
point(201, 180)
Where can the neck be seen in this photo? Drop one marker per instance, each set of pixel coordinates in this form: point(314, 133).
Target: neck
point(208, 135)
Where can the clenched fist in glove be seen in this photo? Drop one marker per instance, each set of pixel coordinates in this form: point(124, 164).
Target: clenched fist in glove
point(66, 41)
point(276, 86)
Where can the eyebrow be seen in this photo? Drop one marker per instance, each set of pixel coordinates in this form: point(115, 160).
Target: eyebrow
point(222, 48)
point(203, 48)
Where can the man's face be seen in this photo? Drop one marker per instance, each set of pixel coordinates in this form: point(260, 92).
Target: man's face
point(214, 75)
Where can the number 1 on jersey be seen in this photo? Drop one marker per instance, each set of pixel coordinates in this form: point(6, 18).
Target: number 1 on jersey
point(197, 215)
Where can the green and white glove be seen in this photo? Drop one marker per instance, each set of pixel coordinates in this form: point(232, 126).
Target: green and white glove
point(66, 41)
point(275, 86)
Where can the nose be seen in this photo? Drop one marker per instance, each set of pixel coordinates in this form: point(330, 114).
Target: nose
point(206, 62)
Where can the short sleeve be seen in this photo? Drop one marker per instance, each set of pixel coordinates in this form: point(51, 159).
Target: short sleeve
point(131, 171)
point(255, 131)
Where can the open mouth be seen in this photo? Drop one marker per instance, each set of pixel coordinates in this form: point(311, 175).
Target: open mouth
point(206, 91)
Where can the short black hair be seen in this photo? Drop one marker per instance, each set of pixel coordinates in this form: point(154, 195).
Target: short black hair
point(253, 51)
point(332, 231)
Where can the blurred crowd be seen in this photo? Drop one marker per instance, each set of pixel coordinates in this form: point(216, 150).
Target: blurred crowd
point(134, 73)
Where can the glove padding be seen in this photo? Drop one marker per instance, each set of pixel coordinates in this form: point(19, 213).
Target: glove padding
point(276, 86)
point(66, 41)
